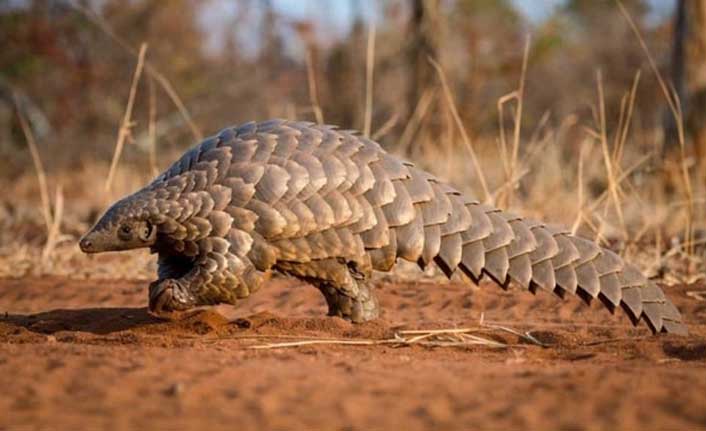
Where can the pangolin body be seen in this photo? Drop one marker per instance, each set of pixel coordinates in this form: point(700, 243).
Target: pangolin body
point(329, 206)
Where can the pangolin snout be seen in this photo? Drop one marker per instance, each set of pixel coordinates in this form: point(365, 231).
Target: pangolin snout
point(91, 242)
point(86, 245)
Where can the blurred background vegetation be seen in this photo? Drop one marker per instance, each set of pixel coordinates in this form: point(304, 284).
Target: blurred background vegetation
point(582, 135)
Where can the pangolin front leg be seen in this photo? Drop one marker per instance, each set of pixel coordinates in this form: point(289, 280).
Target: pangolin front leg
point(175, 290)
point(210, 280)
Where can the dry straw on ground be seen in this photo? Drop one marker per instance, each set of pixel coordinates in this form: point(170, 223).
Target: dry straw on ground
point(450, 337)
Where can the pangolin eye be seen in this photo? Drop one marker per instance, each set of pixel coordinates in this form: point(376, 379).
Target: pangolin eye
point(125, 232)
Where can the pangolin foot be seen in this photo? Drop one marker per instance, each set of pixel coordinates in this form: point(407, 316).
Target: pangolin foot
point(358, 306)
point(167, 298)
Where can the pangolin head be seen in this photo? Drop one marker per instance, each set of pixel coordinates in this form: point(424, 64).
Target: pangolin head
point(126, 225)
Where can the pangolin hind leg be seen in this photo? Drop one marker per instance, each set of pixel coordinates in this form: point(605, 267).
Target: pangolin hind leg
point(357, 304)
point(344, 284)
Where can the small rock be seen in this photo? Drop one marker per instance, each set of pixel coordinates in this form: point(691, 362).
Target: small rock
point(175, 390)
point(242, 323)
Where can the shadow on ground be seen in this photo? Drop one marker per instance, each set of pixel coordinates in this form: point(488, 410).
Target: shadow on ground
point(99, 321)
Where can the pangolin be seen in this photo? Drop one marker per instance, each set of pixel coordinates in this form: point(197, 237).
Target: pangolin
point(329, 206)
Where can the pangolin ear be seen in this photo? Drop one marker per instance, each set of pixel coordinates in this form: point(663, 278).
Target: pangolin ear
point(146, 231)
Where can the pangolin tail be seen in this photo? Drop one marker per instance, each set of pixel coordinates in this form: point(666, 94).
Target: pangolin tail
point(479, 240)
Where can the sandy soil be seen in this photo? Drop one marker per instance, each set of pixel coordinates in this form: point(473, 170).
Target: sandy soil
point(85, 354)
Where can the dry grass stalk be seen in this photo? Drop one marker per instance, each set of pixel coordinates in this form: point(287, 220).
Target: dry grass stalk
point(152, 128)
point(415, 121)
point(462, 130)
point(542, 125)
point(613, 185)
point(621, 178)
point(38, 167)
point(313, 89)
point(580, 187)
point(675, 107)
point(167, 87)
point(518, 120)
point(52, 219)
point(510, 161)
point(54, 234)
point(369, 68)
point(502, 141)
point(520, 98)
point(453, 337)
point(527, 336)
point(624, 126)
point(447, 139)
point(154, 73)
point(386, 127)
point(323, 341)
point(537, 144)
point(127, 123)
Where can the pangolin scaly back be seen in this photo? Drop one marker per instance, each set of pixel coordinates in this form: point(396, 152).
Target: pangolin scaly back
point(326, 205)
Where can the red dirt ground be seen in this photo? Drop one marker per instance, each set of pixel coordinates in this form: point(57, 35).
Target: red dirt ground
point(85, 354)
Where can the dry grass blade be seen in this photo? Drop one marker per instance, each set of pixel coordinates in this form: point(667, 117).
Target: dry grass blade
point(462, 130)
point(126, 125)
point(502, 190)
point(580, 187)
point(369, 68)
point(518, 124)
point(435, 331)
point(511, 161)
point(454, 337)
point(171, 92)
point(622, 135)
point(474, 339)
point(38, 168)
point(504, 156)
point(313, 89)
point(316, 342)
point(386, 127)
point(613, 185)
point(52, 219)
point(152, 129)
point(413, 124)
point(622, 177)
point(527, 336)
point(520, 98)
point(54, 235)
